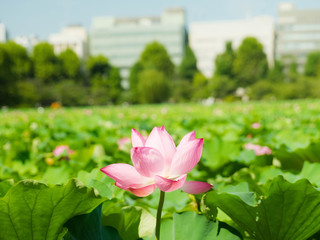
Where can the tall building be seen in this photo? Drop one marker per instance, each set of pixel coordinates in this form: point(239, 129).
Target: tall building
point(3, 33)
point(298, 33)
point(208, 39)
point(74, 37)
point(122, 40)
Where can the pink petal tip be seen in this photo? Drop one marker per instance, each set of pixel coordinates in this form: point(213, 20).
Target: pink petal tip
point(195, 187)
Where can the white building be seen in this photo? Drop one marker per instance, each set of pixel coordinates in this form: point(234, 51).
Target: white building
point(73, 37)
point(122, 40)
point(3, 33)
point(208, 39)
point(298, 33)
point(28, 42)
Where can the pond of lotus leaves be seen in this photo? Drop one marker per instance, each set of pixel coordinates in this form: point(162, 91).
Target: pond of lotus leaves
point(262, 160)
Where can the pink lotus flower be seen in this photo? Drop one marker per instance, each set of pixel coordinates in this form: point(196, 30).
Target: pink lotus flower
point(157, 162)
point(255, 125)
point(123, 142)
point(62, 151)
point(258, 150)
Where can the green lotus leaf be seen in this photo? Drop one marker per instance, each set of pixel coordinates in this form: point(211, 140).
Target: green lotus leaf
point(88, 227)
point(32, 210)
point(190, 225)
point(289, 212)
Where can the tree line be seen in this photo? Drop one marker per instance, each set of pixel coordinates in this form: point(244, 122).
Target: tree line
point(247, 68)
point(42, 77)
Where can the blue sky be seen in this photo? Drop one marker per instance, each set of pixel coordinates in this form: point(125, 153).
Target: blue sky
point(42, 17)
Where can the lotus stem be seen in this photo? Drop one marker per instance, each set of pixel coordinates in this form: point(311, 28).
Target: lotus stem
point(158, 223)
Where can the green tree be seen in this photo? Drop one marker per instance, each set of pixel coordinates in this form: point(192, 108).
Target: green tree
point(70, 93)
point(105, 81)
point(7, 78)
point(46, 65)
point(21, 61)
point(70, 64)
point(153, 86)
point(223, 86)
point(155, 56)
point(27, 93)
point(182, 90)
point(276, 74)
point(200, 87)
point(114, 85)
point(98, 65)
point(312, 66)
point(224, 83)
point(250, 64)
point(293, 73)
point(188, 66)
point(224, 62)
point(263, 89)
point(135, 70)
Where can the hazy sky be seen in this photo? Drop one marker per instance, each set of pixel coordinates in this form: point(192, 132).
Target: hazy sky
point(42, 17)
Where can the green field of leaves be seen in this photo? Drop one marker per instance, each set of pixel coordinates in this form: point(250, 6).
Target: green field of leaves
point(269, 195)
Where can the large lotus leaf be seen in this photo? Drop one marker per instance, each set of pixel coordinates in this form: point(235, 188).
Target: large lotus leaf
point(101, 182)
point(309, 171)
point(293, 160)
point(32, 210)
point(131, 222)
point(88, 227)
point(56, 175)
point(218, 152)
point(291, 211)
point(189, 225)
point(5, 186)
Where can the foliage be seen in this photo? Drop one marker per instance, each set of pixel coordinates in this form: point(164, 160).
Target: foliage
point(200, 86)
point(105, 81)
point(276, 216)
point(70, 64)
point(32, 210)
point(155, 56)
point(188, 67)
point(276, 73)
point(70, 93)
point(189, 225)
point(153, 59)
point(302, 87)
point(46, 67)
point(223, 86)
point(134, 81)
point(27, 92)
point(89, 227)
point(181, 90)
point(22, 66)
point(312, 65)
point(153, 87)
point(244, 183)
point(7, 77)
point(114, 85)
point(98, 65)
point(250, 64)
point(224, 62)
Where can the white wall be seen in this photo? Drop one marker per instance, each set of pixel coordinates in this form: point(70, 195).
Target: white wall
point(208, 39)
